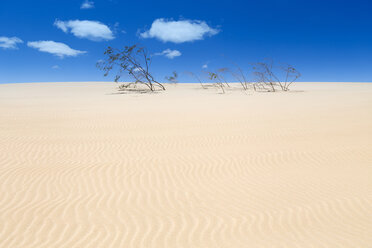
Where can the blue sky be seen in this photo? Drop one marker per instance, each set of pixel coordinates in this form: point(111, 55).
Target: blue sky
point(44, 41)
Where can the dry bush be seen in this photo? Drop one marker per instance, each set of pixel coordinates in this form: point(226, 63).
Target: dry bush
point(267, 78)
point(197, 78)
point(132, 60)
point(221, 77)
point(173, 79)
point(240, 76)
point(217, 79)
point(291, 76)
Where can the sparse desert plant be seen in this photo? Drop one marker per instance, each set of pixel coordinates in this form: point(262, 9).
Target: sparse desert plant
point(240, 76)
point(196, 77)
point(214, 77)
point(267, 79)
point(221, 77)
point(173, 79)
point(265, 76)
point(133, 60)
point(291, 76)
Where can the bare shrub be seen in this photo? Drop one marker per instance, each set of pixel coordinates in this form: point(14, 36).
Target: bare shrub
point(291, 76)
point(133, 60)
point(197, 78)
point(267, 76)
point(221, 77)
point(240, 76)
point(173, 79)
point(216, 78)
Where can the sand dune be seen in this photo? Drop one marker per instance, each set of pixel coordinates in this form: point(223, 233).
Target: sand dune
point(83, 166)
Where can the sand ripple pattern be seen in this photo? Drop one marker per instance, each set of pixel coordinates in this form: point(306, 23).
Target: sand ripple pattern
point(102, 170)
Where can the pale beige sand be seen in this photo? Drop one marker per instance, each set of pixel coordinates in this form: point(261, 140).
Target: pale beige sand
point(84, 167)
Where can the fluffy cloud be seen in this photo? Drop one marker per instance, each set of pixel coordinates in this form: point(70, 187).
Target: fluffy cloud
point(87, 5)
point(178, 31)
point(92, 30)
point(56, 48)
point(9, 42)
point(170, 54)
point(205, 66)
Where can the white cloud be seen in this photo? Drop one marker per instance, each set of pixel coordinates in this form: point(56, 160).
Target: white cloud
point(92, 30)
point(205, 66)
point(9, 42)
point(178, 31)
point(55, 67)
point(61, 25)
point(170, 54)
point(87, 5)
point(56, 48)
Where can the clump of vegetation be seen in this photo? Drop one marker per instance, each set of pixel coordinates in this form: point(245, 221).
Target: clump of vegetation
point(240, 76)
point(267, 78)
point(221, 77)
point(197, 78)
point(135, 62)
point(217, 79)
point(291, 76)
point(132, 60)
point(173, 79)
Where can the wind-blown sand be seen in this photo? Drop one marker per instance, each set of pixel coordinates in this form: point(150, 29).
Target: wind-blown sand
point(83, 166)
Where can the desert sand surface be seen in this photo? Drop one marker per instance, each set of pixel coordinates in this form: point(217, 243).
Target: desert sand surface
point(84, 166)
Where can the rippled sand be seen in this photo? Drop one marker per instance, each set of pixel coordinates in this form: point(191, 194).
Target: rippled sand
point(82, 166)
